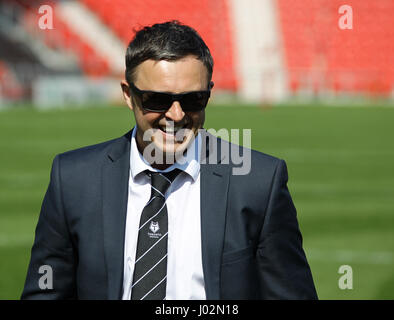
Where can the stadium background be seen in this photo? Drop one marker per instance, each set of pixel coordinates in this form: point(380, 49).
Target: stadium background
point(313, 93)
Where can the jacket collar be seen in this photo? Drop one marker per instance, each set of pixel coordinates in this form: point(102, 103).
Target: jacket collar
point(190, 162)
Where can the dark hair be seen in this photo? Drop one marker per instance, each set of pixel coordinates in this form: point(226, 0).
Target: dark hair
point(166, 41)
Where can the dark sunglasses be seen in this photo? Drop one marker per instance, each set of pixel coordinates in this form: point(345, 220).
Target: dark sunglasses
point(161, 101)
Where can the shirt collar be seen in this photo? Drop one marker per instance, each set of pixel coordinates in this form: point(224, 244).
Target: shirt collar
point(190, 162)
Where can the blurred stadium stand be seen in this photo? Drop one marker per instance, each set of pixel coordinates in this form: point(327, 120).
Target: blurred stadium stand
point(264, 50)
point(210, 18)
point(321, 57)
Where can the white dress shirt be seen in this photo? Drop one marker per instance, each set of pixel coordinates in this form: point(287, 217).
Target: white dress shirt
point(185, 280)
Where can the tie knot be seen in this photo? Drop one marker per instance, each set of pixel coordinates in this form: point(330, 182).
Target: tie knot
point(161, 181)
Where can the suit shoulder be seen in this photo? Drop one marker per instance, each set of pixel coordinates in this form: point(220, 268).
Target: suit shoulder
point(257, 157)
point(261, 156)
point(265, 159)
point(87, 151)
point(94, 152)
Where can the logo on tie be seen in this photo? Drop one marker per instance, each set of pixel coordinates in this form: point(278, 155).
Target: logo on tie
point(154, 226)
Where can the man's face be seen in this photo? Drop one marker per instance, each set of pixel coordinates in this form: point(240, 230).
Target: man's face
point(186, 74)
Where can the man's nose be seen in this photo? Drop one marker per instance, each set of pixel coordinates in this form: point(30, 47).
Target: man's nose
point(175, 112)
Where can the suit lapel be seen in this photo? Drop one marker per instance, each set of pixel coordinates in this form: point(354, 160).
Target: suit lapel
point(214, 189)
point(115, 175)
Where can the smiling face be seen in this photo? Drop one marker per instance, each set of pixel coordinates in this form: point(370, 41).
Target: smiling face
point(179, 76)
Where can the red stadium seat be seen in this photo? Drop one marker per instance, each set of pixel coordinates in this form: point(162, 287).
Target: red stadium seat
point(357, 59)
point(210, 18)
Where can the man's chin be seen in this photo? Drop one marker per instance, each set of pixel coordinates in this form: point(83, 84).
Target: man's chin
point(162, 157)
point(166, 149)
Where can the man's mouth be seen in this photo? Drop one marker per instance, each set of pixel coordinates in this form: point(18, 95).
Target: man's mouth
point(171, 130)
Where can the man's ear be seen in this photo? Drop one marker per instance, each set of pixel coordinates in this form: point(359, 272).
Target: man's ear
point(127, 93)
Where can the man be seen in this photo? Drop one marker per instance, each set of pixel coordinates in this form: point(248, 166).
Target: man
point(159, 212)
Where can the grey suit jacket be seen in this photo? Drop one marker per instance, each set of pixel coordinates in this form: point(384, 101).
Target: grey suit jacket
point(251, 242)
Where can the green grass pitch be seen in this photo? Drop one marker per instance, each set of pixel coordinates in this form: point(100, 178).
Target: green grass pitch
point(341, 177)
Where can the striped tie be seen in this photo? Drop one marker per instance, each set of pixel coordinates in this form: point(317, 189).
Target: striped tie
point(150, 271)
